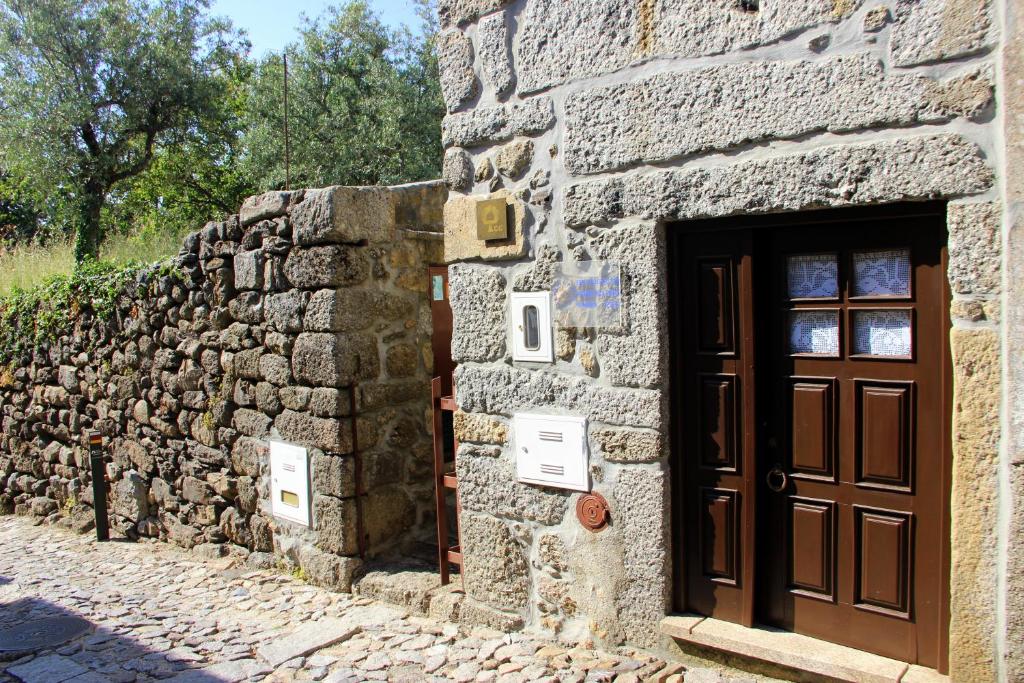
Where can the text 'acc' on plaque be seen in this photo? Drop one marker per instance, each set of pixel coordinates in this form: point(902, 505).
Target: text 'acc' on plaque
point(492, 219)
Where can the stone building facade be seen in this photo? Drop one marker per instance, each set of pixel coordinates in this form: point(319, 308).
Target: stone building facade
point(605, 124)
point(302, 319)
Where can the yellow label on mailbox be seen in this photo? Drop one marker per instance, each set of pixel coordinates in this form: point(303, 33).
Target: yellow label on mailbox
point(289, 498)
point(492, 219)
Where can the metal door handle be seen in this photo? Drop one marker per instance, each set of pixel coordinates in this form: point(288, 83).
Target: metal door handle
point(777, 479)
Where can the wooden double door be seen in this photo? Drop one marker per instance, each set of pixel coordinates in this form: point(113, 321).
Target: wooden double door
point(811, 404)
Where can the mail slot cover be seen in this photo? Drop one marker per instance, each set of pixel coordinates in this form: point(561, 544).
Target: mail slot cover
point(289, 482)
point(551, 450)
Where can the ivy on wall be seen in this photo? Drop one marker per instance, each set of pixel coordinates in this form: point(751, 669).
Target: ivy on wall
point(34, 317)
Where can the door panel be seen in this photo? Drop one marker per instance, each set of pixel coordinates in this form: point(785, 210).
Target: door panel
point(841, 450)
point(716, 392)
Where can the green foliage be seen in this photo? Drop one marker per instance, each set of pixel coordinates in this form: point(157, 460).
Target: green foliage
point(32, 317)
point(89, 89)
point(129, 123)
point(195, 180)
point(364, 101)
point(20, 219)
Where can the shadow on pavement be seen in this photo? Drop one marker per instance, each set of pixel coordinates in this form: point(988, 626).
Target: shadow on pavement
point(41, 642)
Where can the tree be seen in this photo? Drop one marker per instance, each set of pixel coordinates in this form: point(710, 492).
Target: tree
point(193, 180)
point(365, 105)
point(20, 219)
point(90, 89)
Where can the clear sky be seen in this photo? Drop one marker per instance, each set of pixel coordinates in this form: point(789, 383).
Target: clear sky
point(271, 24)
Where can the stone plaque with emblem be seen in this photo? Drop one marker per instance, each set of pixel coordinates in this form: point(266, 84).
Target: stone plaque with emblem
point(492, 219)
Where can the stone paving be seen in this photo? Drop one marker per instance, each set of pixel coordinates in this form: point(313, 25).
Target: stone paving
point(164, 614)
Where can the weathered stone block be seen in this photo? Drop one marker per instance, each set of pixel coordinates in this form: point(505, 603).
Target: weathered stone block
point(478, 302)
point(932, 30)
point(494, 124)
point(196, 491)
point(247, 307)
point(492, 37)
point(418, 205)
point(344, 214)
point(977, 390)
point(251, 422)
point(496, 570)
point(263, 206)
point(911, 168)
point(636, 354)
point(335, 522)
point(379, 395)
point(459, 12)
point(388, 513)
point(504, 391)
point(561, 41)
point(720, 107)
point(642, 512)
point(975, 248)
point(455, 59)
point(333, 475)
point(514, 158)
point(294, 397)
point(327, 266)
point(457, 170)
point(329, 402)
point(131, 497)
point(333, 360)
point(249, 269)
point(248, 455)
point(401, 360)
point(347, 310)
point(328, 570)
point(246, 364)
point(142, 458)
point(275, 369)
point(284, 311)
point(460, 240)
point(628, 445)
point(477, 613)
point(477, 428)
point(330, 435)
point(488, 485)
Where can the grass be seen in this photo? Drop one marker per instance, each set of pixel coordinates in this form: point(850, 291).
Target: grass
point(26, 266)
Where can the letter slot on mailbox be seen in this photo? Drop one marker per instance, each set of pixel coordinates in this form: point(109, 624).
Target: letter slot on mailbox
point(532, 336)
point(289, 482)
point(551, 450)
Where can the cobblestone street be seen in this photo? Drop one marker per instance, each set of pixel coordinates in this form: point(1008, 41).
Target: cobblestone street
point(160, 613)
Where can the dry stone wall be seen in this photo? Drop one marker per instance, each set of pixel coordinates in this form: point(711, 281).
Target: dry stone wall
point(601, 121)
point(303, 318)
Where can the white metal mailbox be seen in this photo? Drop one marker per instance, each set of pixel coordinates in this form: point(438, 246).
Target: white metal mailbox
point(551, 450)
point(532, 335)
point(289, 482)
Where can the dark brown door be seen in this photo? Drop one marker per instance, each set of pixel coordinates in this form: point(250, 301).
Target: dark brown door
point(715, 400)
point(850, 425)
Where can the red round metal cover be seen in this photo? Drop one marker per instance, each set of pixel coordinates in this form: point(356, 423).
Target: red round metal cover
point(592, 511)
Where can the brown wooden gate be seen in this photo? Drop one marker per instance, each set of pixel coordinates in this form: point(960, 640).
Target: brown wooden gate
point(812, 403)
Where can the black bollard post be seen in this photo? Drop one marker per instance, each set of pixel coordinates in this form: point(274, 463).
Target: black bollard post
point(99, 485)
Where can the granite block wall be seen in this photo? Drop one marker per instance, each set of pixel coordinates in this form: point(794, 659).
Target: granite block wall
point(304, 318)
point(601, 122)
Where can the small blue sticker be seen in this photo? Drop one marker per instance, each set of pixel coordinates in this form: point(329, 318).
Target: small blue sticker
point(438, 282)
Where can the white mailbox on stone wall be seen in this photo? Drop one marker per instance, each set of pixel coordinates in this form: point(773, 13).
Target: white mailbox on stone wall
point(289, 482)
point(551, 450)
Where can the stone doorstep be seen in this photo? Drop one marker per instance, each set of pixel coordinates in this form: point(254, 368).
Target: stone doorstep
point(794, 651)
